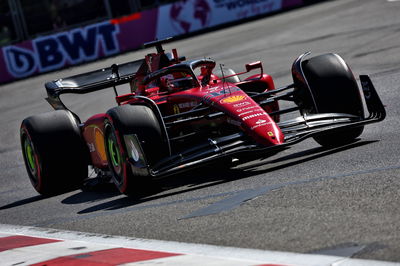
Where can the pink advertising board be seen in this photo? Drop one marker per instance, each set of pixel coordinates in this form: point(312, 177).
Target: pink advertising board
point(114, 36)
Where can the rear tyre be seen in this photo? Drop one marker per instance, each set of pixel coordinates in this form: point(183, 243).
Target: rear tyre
point(55, 155)
point(334, 90)
point(134, 141)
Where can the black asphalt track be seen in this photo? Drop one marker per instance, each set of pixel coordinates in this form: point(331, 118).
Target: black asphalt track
point(343, 201)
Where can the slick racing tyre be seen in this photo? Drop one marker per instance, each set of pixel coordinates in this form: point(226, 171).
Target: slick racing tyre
point(55, 155)
point(134, 140)
point(334, 90)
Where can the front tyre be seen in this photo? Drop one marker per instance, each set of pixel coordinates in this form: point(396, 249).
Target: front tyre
point(134, 141)
point(334, 90)
point(55, 155)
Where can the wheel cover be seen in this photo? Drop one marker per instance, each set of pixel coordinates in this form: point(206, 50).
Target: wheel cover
point(114, 153)
point(30, 156)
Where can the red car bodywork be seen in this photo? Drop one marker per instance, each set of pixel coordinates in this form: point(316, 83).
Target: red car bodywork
point(242, 111)
point(204, 115)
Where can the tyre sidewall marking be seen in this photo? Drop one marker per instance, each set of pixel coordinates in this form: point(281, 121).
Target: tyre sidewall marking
point(123, 184)
point(36, 179)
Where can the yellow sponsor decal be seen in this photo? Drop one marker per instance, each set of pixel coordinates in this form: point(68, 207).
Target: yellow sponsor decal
point(270, 134)
point(233, 99)
point(176, 109)
point(99, 141)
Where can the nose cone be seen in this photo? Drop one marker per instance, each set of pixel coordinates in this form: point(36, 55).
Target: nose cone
point(254, 119)
point(264, 130)
point(242, 109)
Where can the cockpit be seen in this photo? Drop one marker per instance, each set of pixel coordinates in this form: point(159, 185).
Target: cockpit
point(177, 77)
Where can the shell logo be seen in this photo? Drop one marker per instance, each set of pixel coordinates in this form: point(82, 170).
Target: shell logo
point(233, 99)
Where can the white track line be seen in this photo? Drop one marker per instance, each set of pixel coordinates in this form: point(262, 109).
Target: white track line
point(193, 254)
point(36, 254)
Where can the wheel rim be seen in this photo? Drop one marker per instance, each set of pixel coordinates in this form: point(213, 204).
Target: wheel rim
point(31, 158)
point(114, 153)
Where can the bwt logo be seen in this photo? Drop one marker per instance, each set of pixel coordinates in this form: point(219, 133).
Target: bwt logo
point(55, 51)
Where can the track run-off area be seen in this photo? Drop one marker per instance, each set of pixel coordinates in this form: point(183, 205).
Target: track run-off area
point(307, 199)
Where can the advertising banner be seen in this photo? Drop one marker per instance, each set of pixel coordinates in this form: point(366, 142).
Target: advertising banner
point(114, 36)
point(76, 46)
point(188, 16)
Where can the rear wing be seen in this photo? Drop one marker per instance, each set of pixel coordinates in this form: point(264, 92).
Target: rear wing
point(91, 81)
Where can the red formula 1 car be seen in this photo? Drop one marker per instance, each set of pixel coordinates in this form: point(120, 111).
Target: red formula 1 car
point(181, 114)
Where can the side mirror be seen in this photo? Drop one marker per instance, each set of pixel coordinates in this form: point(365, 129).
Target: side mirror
point(254, 65)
